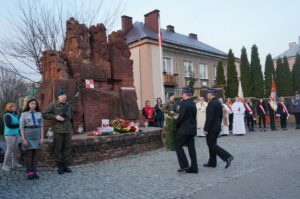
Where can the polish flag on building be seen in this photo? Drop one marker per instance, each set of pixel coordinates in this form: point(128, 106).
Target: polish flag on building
point(159, 38)
point(89, 83)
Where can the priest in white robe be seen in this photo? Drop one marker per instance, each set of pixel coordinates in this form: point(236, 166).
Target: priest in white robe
point(238, 110)
point(201, 116)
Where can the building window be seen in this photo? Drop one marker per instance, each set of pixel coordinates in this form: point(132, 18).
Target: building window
point(188, 69)
point(203, 71)
point(168, 65)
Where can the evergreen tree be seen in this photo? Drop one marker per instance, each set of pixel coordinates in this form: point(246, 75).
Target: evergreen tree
point(232, 79)
point(269, 73)
point(256, 74)
point(277, 75)
point(284, 78)
point(245, 73)
point(220, 79)
point(296, 73)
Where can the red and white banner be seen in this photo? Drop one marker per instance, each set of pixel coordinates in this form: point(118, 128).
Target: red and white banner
point(89, 83)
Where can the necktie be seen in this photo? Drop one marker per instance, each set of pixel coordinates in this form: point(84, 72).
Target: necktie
point(33, 118)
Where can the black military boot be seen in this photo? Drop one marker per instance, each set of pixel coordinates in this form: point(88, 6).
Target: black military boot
point(66, 168)
point(60, 168)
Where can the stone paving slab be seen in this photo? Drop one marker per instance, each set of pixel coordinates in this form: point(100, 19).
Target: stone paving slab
point(275, 181)
point(153, 174)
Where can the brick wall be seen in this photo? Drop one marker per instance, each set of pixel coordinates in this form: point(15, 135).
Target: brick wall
point(87, 149)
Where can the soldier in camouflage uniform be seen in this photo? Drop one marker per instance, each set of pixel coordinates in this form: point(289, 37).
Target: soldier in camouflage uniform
point(169, 110)
point(60, 115)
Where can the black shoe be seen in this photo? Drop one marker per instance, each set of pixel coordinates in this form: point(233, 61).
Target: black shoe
point(60, 170)
point(30, 177)
point(36, 176)
point(191, 171)
point(182, 170)
point(228, 161)
point(67, 169)
point(208, 165)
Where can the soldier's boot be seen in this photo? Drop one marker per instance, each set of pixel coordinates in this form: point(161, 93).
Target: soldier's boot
point(66, 168)
point(60, 168)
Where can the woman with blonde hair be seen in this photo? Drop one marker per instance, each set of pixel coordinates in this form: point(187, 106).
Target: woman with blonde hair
point(11, 134)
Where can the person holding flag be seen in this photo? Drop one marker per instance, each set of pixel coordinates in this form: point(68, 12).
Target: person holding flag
point(283, 113)
point(272, 106)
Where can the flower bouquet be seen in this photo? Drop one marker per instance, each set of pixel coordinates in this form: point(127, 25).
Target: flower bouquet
point(124, 126)
point(103, 130)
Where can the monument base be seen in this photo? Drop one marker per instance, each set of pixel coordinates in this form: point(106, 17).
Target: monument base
point(87, 149)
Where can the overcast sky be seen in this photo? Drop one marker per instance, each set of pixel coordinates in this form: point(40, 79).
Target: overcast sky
point(270, 24)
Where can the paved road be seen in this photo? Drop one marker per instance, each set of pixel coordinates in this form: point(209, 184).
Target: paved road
point(266, 165)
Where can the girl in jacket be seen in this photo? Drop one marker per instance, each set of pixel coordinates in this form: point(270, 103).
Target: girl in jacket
point(11, 134)
point(31, 127)
point(148, 113)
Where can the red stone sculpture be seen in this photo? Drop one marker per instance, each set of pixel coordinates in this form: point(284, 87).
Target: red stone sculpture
point(88, 55)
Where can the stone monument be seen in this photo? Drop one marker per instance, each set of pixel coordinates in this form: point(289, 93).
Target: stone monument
point(88, 54)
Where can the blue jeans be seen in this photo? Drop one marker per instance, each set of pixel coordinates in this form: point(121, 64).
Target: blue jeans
point(160, 123)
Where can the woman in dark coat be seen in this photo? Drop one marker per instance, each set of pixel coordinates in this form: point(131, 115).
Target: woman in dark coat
point(159, 115)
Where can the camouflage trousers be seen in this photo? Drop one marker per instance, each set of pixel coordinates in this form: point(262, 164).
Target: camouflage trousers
point(62, 143)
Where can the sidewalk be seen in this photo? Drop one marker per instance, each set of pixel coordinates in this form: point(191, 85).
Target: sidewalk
point(259, 158)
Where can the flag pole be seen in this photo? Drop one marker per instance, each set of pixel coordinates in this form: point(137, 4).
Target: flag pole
point(161, 59)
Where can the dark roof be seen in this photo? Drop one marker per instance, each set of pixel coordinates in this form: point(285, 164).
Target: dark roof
point(140, 31)
point(292, 52)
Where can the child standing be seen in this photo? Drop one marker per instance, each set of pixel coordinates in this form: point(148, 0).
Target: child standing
point(31, 127)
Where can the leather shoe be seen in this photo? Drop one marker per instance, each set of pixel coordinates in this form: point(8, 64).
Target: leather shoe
point(182, 170)
point(207, 165)
point(67, 169)
point(228, 161)
point(191, 171)
point(60, 170)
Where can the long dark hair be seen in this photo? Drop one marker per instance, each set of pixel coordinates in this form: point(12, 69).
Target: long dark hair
point(27, 108)
point(158, 99)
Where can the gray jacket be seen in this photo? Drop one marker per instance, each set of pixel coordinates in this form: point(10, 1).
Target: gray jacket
point(296, 104)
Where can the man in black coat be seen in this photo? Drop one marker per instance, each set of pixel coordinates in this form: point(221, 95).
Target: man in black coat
point(283, 113)
point(186, 129)
point(212, 129)
point(272, 109)
point(249, 114)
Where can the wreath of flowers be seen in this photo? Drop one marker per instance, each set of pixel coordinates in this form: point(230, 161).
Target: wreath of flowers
point(123, 126)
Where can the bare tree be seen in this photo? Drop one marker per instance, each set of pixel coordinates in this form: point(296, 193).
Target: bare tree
point(37, 26)
point(12, 87)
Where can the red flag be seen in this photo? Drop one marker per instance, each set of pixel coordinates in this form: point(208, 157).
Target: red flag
point(159, 38)
point(273, 90)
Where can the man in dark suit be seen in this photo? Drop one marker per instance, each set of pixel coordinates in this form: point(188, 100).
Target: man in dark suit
point(212, 129)
point(283, 113)
point(249, 114)
point(272, 109)
point(186, 129)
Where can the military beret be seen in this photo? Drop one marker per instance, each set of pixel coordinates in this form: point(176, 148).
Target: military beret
point(60, 91)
